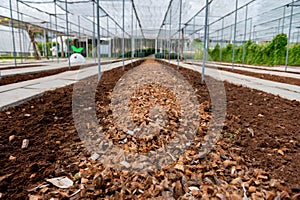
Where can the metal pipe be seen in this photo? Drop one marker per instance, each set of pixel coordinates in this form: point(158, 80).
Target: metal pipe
point(51, 36)
point(98, 42)
point(87, 46)
point(222, 39)
point(109, 40)
point(170, 33)
point(165, 42)
point(279, 20)
point(289, 38)
point(23, 36)
point(132, 38)
point(244, 46)
point(283, 19)
point(93, 40)
point(250, 32)
point(179, 30)
point(55, 12)
point(13, 33)
point(45, 45)
point(234, 34)
point(67, 23)
point(123, 26)
point(205, 44)
point(21, 50)
point(79, 45)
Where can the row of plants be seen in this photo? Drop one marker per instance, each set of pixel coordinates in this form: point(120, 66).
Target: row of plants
point(271, 54)
point(166, 55)
point(139, 53)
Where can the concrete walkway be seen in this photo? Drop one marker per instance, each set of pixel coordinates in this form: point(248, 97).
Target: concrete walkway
point(287, 91)
point(45, 67)
point(17, 93)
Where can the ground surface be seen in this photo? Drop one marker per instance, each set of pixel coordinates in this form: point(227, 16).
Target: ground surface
point(260, 146)
point(266, 76)
point(34, 75)
point(281, 79)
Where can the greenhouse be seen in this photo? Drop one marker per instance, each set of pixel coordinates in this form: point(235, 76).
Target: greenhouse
point(156, 99)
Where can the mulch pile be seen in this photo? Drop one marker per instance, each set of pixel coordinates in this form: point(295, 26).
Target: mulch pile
point(258, 155)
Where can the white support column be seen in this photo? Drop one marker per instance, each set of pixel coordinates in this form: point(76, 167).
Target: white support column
point(87, 46)
point(109, 48)
point(155, 46)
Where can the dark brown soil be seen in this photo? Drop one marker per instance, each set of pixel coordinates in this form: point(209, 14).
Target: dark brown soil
point(22, 66)
point(281, 79)
point(252, 67)
point(29, 76)
point(55, 148)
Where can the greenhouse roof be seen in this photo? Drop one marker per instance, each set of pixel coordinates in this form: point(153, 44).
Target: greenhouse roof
point(158, 18)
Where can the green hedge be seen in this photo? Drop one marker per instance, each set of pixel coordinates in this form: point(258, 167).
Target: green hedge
point(162, 55)
point(139, 53)
point(270, 54)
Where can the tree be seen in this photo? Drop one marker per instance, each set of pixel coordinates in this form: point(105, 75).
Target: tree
point(31, 32)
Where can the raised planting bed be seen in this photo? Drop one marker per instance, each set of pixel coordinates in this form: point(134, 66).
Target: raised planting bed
point(34, 75)
point(270, 77)
point(259, 146)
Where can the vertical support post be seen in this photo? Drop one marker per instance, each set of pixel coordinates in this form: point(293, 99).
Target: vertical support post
point(93, 40)
point(278, 26)
point(51, 35)
point(230, 40)
point(21, 50)
point(123, 27)
point(222, 39)
point(108, 37)
point(156, 46)
point(23, 37)
point(283, 19)
point(13, 33)
point(298, 36)
point(289, 38)
point(234, 34)
point(136, 33)
point(79, 45)
point(132, 38)
point(67, 23)
point(205, 44)
point(170, 35)
point(254, 31)
point(87, 46)
point(98, 42)
point(245, 32)
point(165, 39)
point(45, 45)
point(179, 30)
point(250, 32)
point(57, 49)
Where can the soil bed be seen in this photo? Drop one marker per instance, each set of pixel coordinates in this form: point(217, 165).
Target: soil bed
point(253, 67)
point(34, 75)
point(21, 66)
point(281, 79)
point(259, 146)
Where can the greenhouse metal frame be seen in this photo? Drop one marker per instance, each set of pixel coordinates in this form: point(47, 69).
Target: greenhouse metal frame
point(130, 20)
